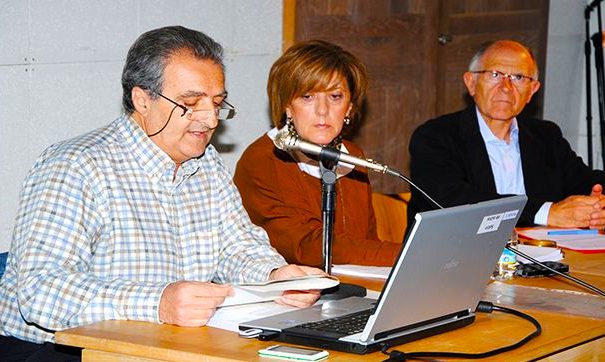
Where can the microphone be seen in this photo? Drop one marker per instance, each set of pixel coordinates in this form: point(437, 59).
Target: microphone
point(287, 141)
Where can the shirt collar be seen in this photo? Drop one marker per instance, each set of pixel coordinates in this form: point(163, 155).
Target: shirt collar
point(488, 135)
point(149, 155)
point(312, 167)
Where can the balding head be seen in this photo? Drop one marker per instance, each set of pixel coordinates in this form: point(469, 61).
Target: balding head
point(493, 48)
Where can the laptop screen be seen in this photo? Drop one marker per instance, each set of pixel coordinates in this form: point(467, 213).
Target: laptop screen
point(445, 263)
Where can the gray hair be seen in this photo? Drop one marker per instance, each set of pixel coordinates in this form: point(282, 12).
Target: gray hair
point(149, 54)
point(475, 63)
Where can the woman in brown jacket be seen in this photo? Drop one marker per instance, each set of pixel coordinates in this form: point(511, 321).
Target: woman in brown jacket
point(315, 89)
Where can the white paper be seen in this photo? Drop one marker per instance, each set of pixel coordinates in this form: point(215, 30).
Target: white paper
point(271, 290)
point(539, 253)
point(229, 318)
point(378, 272)
point(299, 283)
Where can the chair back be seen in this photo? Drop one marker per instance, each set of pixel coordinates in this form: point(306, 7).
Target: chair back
point(391, 215)
point(3, 257)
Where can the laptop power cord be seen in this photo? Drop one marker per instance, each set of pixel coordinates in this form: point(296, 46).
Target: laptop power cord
point(484, 307)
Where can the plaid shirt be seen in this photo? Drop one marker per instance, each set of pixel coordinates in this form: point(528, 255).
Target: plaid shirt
point(103, 228)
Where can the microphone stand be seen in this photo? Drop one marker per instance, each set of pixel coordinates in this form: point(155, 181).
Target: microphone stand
point(328, 202)
point(597, 40)
point(328, 194)
point(588, 86)
point(597, 43)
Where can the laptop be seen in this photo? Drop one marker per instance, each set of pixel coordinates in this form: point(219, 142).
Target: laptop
point(435, 285)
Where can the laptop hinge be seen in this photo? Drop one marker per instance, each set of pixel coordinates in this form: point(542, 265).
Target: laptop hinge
point(447, 317)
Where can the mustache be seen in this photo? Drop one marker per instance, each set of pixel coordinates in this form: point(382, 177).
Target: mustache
point(203, 128)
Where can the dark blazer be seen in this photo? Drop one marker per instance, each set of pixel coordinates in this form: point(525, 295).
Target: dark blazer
point(449, 161)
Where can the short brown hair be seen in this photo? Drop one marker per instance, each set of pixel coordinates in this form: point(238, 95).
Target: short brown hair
point(309, 66)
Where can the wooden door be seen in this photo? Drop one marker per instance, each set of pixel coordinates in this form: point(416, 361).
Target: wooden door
point(413, 76)
point(466, 24)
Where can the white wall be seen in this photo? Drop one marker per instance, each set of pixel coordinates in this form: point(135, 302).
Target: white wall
point(61, 61)
point(565, 79)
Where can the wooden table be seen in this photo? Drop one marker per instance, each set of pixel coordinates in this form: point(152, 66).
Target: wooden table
point(564, 337)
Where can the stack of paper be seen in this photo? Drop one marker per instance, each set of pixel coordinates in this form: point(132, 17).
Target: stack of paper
point(540, 253)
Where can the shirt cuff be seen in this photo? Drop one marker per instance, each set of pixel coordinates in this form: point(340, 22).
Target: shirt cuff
point(541, 217)
point(142, 302)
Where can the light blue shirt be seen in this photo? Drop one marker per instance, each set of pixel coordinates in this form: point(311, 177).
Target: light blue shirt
point(505, 159)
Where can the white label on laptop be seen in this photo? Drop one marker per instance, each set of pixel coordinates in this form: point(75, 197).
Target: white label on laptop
point(510, 214)
point(490, 223)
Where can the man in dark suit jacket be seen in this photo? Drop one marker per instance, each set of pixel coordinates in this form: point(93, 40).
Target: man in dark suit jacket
point(486, 151)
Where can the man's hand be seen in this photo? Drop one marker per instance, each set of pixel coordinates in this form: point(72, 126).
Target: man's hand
point(577, 211)
point(190, 303)
point(296, 298)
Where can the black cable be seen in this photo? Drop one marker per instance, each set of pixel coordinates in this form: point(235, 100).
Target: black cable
point(165, 124)
point(567, 276)
point(407, 179)
point(485, 307)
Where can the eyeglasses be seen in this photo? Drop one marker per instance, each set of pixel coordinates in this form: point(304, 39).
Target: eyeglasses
point(497, 77)
point(223, 112)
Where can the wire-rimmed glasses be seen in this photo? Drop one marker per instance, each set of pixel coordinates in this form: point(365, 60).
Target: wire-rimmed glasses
point(223, 112)
point(497, 77)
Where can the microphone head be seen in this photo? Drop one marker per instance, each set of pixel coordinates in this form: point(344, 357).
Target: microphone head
point(284, 139)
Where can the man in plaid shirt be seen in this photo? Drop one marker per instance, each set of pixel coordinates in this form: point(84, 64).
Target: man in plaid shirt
point(139, 219)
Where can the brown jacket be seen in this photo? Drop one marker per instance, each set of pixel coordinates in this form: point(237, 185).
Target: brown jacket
point(286, 202)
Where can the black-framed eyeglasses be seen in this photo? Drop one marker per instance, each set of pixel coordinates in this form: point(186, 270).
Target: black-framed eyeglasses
point(223, 112)
point(497, 77)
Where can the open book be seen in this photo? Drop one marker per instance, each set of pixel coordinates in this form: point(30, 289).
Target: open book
point(272, 289)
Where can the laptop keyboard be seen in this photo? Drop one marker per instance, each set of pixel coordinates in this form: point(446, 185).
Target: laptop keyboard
point(344, 325)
